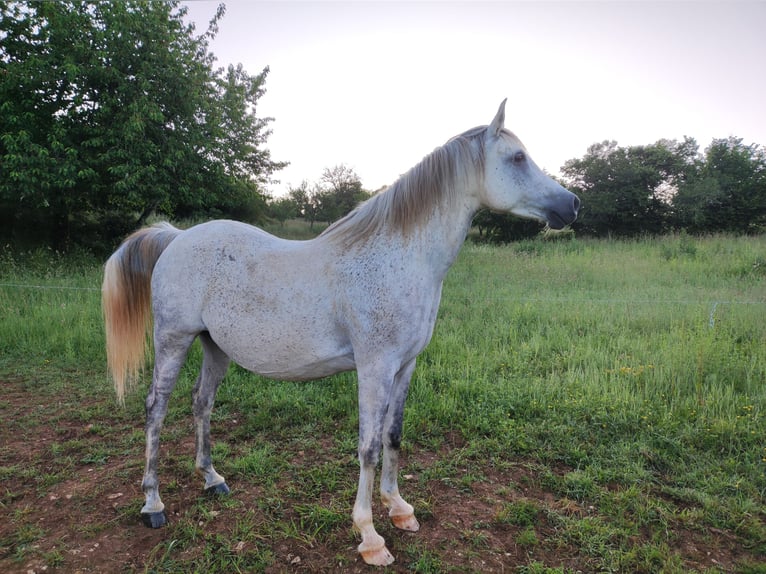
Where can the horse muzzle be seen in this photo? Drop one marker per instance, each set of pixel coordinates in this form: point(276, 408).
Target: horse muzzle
point(563, 211)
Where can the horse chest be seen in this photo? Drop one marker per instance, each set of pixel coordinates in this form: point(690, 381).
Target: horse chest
point(392, 317)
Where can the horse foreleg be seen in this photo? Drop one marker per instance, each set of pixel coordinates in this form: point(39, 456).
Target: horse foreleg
point(373, 547)
point(167, 364)
point(214, 365)
point(401, 513)
point(373, 397)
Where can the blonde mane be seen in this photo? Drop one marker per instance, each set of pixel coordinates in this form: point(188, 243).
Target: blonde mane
point(404, 205)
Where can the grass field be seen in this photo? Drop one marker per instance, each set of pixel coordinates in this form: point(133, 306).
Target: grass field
point(584, 406)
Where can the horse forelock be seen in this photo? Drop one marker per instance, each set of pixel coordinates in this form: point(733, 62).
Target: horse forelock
point(406, 204)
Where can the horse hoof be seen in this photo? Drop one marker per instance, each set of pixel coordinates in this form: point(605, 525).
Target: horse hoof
point(217, 489)
point(378, 557)
point(406, 522)
point(154, 519)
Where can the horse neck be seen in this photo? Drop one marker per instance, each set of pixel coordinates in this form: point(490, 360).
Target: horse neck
point(424, 226)
point(441, 235)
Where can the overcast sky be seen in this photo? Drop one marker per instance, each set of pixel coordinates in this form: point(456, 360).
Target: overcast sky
point(376, 85)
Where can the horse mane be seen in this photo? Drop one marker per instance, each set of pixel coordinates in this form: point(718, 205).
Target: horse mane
point(404, 205)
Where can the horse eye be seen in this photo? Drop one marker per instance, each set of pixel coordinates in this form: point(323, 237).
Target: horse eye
point(519, 157)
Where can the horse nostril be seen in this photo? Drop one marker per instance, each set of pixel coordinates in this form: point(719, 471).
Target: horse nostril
point(576, 204)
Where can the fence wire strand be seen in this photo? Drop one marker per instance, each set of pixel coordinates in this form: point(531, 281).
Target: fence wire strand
point(715, 303)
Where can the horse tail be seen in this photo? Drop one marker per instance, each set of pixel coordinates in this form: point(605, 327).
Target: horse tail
point(126, 301)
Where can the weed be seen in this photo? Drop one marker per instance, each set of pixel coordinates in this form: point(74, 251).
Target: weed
point(426, 562)
point(521, 513)
point(476, 539)
point(536, 567)
point(527, 538)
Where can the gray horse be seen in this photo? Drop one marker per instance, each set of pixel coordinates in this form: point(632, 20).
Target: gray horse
point(363, 295)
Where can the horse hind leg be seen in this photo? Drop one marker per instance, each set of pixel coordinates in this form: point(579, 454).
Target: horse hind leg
point(170, 353)
point(214, 365)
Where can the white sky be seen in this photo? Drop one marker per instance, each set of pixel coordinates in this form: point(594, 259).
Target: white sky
point(376, 85)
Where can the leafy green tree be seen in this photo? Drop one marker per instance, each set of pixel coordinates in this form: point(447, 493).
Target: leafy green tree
point(695, 205)
point(110, 111)
point(729, 192)
point(283, 208)
point(300, 197)
point(337, 193)
point(341, 192)
point(307, 200)
point(628, 191)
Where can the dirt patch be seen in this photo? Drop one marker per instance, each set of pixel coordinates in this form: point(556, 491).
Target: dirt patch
point(69, 509)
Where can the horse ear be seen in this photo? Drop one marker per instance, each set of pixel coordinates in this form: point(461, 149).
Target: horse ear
point(497, 124)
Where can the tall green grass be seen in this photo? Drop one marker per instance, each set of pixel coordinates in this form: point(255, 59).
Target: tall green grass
point(589, 346)
point(50, 310)
point(630, 374)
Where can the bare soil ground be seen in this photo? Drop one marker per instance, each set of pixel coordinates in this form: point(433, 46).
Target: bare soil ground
point(64, 513)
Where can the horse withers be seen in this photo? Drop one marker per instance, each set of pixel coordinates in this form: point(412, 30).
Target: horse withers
point(362, 295)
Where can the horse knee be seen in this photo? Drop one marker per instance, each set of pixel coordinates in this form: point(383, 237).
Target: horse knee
point(370, 453)
point(394, 437)
point(393, 430)
point(201, 409)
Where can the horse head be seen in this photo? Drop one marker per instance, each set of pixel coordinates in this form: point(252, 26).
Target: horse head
point(513, 183)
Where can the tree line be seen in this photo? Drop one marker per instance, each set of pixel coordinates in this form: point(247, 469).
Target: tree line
point(113, 111)
point(337, 192)
point(625, 191)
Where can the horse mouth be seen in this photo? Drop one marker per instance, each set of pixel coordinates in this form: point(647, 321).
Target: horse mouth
point(556, 222)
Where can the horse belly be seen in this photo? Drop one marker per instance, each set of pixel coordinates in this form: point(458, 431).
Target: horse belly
point(284, 345)
point(300, 370)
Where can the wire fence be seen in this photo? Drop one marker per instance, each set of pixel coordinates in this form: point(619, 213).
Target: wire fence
point(714, 304)
point(609, 300)
point(51, 287)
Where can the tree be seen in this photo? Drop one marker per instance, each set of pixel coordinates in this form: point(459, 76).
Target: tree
point(628, 191)
point(307, 200)
point(341, 192)
point(283, 208)
point(338, 192)
point(110, 111)
point(729, 192)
